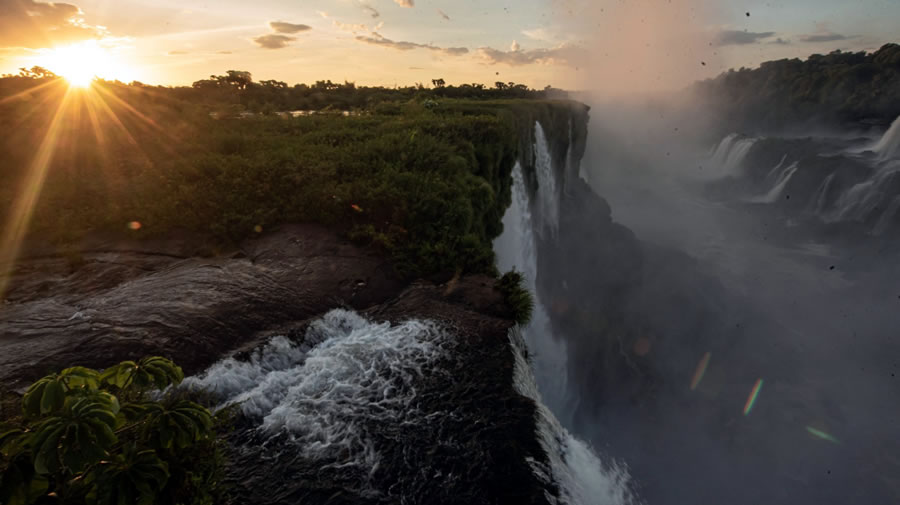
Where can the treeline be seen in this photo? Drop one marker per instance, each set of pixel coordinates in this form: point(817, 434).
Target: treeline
point(839, 89)
point(238, 87)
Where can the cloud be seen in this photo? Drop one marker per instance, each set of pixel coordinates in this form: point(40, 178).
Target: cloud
point(377, 39)
point(443, 14)
point(32, 24)
point(740, 38)
point(825, 37)
point(372, 11)
point(566, 54)
point(405, 3)
point(274, 41)
point(223, 52)
point(781, 42)
point(283, 27)
point(177, 52)
point(541, 34)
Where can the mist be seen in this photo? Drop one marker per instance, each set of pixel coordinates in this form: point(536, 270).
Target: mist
point(751, 355)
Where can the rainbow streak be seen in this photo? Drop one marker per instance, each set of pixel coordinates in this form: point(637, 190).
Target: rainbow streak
point(821, 434)
point(751, 400)
point(701, 371)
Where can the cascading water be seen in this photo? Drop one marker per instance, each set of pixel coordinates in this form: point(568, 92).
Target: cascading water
point(548, 196)
point(783, 178)
point(889, 145)
point(819, 201)
point(729, 155)
point(583, 478)
point(888, 217)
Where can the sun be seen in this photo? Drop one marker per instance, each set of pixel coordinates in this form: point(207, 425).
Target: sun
point(81, 63)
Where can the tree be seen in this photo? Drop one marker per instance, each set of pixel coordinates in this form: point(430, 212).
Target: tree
point(438, 83)
point(99, 438)
point(37, 72)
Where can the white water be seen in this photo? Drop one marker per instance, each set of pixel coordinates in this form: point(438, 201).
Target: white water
point(548, 197)
point(582, 477)
point(820, 199)
point(889, 145)
point(860, 200)
point(729, 155)
point(783, 178)
point(348, 373)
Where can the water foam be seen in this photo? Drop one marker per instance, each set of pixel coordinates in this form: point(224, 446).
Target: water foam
point(347, 373)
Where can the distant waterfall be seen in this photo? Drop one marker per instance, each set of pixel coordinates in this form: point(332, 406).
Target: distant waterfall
point(783, 178)
point(819, 201)
point(888, 217)
point(862, 199)
point(729, 155)
point(889, 145)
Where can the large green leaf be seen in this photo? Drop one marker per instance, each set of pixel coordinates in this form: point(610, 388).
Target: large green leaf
point(78, 435)
point(148, 373)
point(133, 477)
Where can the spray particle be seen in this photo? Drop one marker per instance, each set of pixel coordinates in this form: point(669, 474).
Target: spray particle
point(754, 393)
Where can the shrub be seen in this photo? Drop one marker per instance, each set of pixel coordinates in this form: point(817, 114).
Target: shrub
point(100, 438)
point(517, 296)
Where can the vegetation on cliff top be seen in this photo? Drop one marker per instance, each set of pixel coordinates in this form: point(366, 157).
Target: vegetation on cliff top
point(82, 436)
point(426, 179)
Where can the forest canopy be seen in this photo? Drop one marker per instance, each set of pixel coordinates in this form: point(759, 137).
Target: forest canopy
point(839, 89)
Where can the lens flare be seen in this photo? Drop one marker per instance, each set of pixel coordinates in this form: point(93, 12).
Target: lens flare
point(700, 371)
point(751, 400)
point(821, 434)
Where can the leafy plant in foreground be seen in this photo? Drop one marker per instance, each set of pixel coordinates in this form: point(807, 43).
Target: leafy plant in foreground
point(100, 438)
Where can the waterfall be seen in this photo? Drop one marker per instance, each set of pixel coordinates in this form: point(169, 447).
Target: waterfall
point(548, 195)
point(772, 176)
point(889, 145)
point(516, 249)
point(783, 178)
point(819, 200)
point(730, 153)
point(887, 218)
point(860, 200)
point(582, 477)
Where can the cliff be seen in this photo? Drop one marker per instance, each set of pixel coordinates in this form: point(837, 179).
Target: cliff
point(420, 391)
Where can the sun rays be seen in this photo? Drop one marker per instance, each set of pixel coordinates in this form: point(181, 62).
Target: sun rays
point(80, 64)
point(82, 114)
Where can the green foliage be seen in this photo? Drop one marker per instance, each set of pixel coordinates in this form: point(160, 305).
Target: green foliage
point(517, 296)
point(75, 441)
point(428, 186)
point(836, 88)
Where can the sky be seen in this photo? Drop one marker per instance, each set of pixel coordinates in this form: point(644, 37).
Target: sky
point(614, 45)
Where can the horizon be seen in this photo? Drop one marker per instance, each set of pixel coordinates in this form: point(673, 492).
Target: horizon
point(567, 44)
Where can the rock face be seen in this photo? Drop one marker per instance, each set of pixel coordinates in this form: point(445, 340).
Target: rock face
point(450, 428)
point(124, 302)
point(453, 430)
